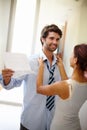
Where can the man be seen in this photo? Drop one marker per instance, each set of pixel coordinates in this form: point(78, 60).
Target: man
point(35, 114)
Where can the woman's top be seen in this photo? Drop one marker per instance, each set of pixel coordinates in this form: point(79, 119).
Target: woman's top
point(66, 112)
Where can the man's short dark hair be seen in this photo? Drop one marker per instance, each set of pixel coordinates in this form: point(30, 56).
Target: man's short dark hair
point(50, 28)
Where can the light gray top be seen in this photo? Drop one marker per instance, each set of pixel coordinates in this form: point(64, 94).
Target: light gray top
point(66, 113)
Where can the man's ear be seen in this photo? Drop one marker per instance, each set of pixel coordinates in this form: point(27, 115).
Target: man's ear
point(43, 39)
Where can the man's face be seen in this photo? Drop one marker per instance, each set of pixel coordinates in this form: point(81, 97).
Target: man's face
point(51, 41)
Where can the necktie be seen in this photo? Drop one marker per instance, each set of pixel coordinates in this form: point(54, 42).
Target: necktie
point(50, 99)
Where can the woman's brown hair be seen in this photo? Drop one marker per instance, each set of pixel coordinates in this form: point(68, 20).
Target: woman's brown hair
point(80, 51)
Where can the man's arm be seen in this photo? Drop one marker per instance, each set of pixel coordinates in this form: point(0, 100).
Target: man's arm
point(9, 82)
point(7, 74)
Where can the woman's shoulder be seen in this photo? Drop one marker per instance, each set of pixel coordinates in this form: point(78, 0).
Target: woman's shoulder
point(75, 81)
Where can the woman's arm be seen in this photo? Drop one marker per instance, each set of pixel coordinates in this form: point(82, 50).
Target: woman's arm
point(61, 68)
point(58, 88)
point(40, 73)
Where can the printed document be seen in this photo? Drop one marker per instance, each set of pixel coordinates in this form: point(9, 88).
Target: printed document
point(17, 62)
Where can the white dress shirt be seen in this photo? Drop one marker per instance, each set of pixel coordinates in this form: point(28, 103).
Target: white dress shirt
point(35, 115)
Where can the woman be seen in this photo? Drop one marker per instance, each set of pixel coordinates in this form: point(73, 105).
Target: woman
point(74, 90)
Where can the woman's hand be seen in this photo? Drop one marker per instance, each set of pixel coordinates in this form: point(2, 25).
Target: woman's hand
point(59, 60)
point(40, 61)
point(39, 81)
point(61, 68)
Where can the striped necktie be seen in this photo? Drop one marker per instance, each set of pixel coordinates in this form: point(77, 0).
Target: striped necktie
point(50, 99)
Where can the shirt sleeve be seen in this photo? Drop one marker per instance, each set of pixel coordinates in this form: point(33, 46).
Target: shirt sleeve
point(15, 82)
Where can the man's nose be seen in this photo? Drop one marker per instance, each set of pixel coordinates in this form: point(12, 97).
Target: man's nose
point(55, 41)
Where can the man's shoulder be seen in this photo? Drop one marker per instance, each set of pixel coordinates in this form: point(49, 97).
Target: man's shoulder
point(33, 62)
point(33, 57)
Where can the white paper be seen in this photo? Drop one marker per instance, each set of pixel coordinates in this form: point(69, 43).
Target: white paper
point(17, 62)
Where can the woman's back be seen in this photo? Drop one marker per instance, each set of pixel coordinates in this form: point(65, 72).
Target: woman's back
point(66, 113)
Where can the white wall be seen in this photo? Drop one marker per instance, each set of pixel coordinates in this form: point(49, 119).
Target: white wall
point(71, 38)
point(76, 33)
point(4, 23)
point(83, 24)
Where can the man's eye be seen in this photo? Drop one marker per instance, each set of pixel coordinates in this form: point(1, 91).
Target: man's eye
point(51, 38)
point(58, 39)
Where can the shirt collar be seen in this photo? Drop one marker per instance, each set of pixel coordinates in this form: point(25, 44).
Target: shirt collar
point(42, 55)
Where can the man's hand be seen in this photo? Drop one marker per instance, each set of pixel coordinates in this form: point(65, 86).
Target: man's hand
point(7, 74)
